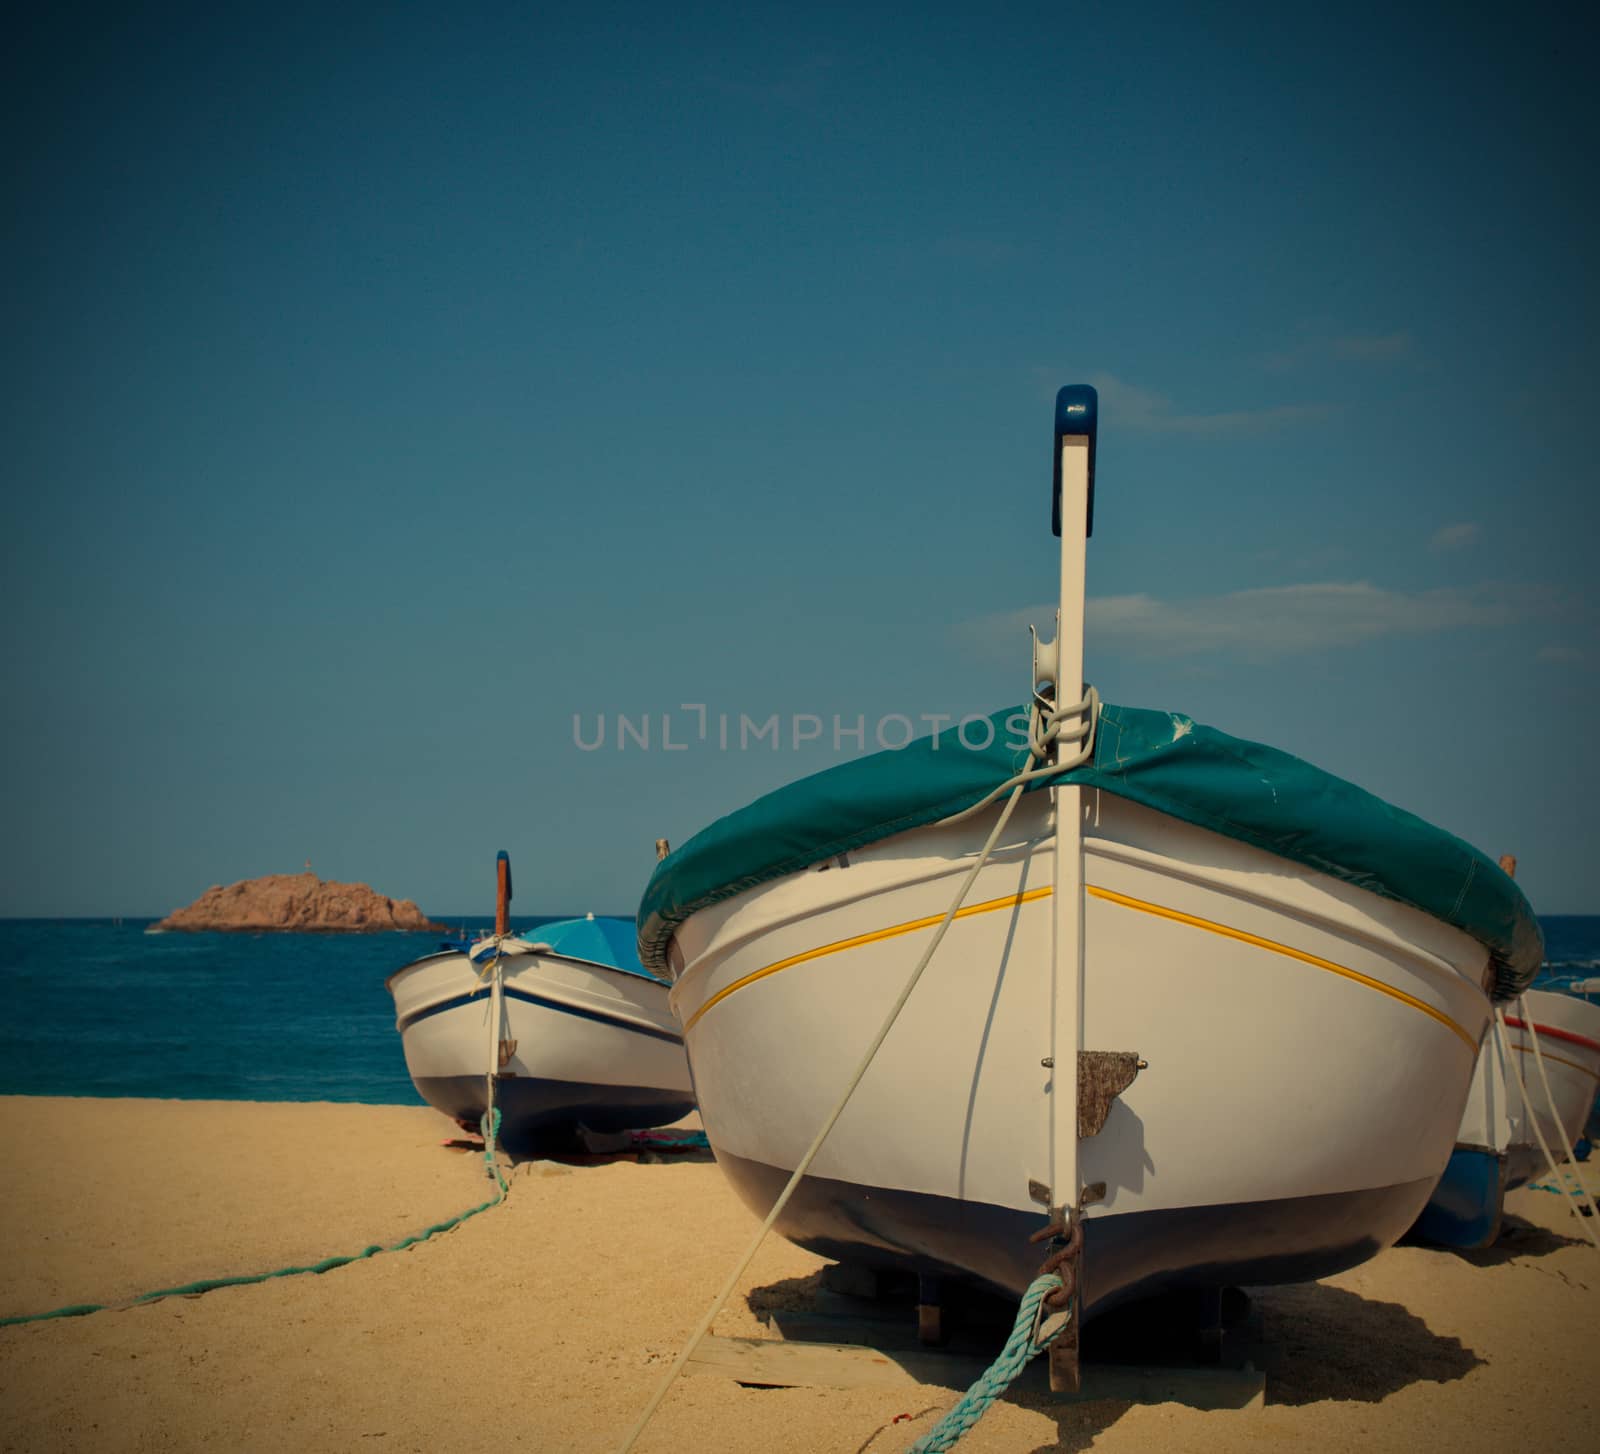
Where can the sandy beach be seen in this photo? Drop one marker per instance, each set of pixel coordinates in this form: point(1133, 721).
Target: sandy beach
point(543, 1322)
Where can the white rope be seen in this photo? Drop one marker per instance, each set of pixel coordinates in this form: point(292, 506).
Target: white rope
point(1585, 1196)
point(1042, 728)
point(1045, 727)
point(1501, 1035)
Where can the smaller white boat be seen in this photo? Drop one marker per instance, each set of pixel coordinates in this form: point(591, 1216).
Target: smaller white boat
point(1497, 1148)
point(558, 1030)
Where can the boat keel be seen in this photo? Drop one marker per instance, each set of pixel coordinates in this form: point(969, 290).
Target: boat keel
point(1125, 1255)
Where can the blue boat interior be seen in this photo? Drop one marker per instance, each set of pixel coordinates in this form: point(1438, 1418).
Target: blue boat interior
point(611, 942)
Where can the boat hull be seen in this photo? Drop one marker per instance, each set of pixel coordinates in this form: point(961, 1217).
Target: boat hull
point(1464, 1210)
point(592, 1045)
point(1283, 1239)
point(1309, 1046)
point(1496, 1147)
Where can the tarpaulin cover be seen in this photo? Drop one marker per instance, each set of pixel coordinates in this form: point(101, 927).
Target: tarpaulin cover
point(1167, 762)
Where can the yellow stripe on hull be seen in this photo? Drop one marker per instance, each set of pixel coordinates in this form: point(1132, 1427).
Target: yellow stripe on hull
point(892, 932)
point(1246, 938)
point(1559, 1060)
point(1110, 896)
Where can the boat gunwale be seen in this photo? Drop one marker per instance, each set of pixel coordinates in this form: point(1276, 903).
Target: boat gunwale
point(1373, 935)
point(513, 993)
point(1555, 1032)
point(532, 953)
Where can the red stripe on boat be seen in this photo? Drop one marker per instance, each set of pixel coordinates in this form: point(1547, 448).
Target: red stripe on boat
point(1551, 1032)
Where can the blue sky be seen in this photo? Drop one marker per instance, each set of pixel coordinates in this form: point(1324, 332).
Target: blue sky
point(384, 389)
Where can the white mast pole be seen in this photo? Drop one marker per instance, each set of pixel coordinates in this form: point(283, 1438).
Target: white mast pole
point(1076, 419)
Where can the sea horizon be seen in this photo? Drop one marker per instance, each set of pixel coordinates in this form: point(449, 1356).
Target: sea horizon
point(274, 1015)
point(256, 1015)
point(437, 918)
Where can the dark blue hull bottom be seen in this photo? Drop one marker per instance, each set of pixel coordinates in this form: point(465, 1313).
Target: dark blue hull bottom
point(1466, 1206)
point(533, 1110)
point(1464, 1210)
point(1126, 1256)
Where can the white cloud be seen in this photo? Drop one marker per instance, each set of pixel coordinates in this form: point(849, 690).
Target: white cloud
point(1371, 348)
point(1454, 537)
point(1124, 406)
point(1273, 621)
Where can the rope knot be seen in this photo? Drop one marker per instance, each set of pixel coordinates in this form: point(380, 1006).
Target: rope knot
point(1049, 724)
point(1061, 1261)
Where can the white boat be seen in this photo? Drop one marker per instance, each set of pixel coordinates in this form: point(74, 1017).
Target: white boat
point(562, 1028)
point(1497, 1146)
point(1267, 989)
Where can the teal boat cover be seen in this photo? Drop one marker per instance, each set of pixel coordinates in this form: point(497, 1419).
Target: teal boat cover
point(1168, 762)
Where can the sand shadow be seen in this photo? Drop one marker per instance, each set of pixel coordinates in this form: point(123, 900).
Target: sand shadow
point(1077, 1425)
point(1321, 1343)
point(1518, 1239)
point(572, 1150)
point(979, 1316)
point(637, 1156)
point(980, 1322)
point(1325, 1343)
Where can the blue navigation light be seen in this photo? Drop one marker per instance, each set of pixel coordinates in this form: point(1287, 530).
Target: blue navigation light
point(1077, 417)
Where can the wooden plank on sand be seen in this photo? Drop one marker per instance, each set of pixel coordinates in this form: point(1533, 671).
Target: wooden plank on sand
point(1197, 1388)
point(771, 1363)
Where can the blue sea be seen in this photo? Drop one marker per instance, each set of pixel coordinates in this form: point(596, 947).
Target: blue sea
point(98, 1007)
